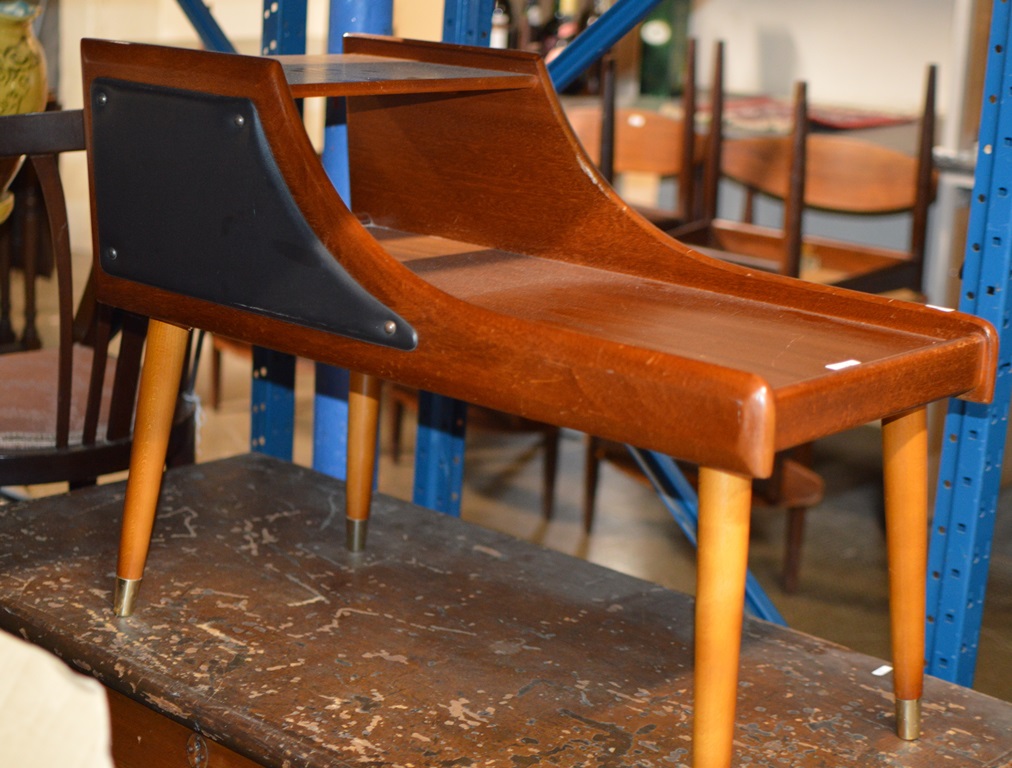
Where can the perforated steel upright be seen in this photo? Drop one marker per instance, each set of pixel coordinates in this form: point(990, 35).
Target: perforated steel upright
point(974, 442)
point(330, 402)
point(272, 416)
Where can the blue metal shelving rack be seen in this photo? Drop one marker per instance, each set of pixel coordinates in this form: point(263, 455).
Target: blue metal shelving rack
point(204, 24)
point(330, 402)
point(974, 442)
point(442, 421)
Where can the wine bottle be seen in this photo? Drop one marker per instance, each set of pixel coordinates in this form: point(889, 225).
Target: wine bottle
point(502, 26)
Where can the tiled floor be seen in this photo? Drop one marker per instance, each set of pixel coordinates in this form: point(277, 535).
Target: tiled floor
point(842, 596)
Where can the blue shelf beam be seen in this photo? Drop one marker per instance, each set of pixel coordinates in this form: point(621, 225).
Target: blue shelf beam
point(596, 40)
point(207, 29)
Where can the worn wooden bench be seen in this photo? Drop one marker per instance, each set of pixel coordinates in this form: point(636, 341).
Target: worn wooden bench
point(264, 641)
point(484, 258)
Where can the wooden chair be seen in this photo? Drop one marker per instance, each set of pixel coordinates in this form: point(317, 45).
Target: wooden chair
point(486, 267)
point(644, 141)
point(24, 246)
point(832, 173)
point(66, 414)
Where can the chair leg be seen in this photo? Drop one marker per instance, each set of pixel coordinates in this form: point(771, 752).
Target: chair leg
point(215, 376)
point(905, 456)
point(7, 335)
point(590, 474)
point(156, 403)
point(396, 427)
point(363, 415)
point(725, 502)
point(30, 234)
point(549, 469)
point(792, 548)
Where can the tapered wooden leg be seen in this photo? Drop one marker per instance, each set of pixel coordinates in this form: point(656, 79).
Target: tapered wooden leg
point(363, 415)
point(725, 502)
point(156, 403)
point(905, 456)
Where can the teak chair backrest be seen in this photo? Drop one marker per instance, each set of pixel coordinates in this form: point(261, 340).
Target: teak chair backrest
point(645, 141)
point(846, 175)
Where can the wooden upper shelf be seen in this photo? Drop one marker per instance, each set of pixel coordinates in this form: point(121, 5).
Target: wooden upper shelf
point(352, 74)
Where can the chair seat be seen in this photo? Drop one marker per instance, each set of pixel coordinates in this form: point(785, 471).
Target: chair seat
point(28, 412)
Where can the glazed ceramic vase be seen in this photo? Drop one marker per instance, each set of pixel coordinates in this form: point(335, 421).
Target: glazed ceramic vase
point(22, 78)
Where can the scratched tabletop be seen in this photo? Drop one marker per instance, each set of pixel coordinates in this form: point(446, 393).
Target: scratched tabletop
point(443, 644)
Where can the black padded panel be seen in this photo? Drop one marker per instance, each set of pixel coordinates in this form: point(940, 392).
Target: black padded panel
point(189, 199)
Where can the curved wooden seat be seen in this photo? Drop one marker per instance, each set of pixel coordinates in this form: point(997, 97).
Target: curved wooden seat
point(486, 260)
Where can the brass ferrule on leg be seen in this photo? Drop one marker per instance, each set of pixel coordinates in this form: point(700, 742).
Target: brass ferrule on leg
point(908, 718)
point(125, 596)
point(355, 531)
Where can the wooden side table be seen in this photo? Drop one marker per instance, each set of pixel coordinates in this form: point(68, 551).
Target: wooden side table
point(485, 259)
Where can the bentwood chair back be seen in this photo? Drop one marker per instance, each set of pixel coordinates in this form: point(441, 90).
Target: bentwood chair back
point(66, 414)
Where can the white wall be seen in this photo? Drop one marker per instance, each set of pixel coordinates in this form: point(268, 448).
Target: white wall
point(868, 53)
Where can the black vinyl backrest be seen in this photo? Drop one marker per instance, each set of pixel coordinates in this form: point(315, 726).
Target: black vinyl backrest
point(190, 199)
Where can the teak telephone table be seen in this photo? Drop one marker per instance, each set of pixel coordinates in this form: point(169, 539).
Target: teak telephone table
point(487, 260)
